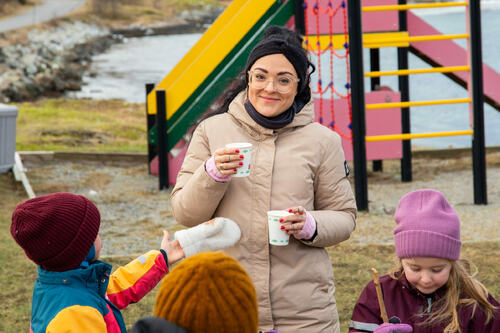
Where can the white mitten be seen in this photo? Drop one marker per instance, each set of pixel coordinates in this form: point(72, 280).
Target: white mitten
point(209, 237)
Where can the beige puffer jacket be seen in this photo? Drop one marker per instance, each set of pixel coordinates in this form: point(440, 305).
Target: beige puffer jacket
point(300, 164)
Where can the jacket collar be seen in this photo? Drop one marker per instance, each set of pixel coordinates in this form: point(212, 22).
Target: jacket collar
point(95, 276)
point(258, 132)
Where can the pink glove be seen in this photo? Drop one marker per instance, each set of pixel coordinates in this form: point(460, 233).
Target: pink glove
point(214, 172)
point(393, 328)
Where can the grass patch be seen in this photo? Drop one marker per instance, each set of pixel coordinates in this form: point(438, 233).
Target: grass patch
point(81, 125)
point(17, 273)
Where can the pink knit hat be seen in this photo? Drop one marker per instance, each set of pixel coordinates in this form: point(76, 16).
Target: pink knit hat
point(427, 226)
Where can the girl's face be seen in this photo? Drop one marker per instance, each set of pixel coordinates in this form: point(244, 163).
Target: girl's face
point(268, 101)
point(426, 274)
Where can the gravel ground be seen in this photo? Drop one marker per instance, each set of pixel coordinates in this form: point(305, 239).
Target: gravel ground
point(132, 209)
point(134, 212)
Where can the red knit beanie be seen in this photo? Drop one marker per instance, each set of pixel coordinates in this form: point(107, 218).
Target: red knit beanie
point(56, 230)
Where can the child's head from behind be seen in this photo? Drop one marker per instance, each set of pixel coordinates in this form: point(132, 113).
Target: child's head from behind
point(427, 239)
point(57, 231)
point(209, 292)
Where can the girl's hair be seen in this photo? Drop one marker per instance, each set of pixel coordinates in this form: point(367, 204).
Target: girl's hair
point(462, 289)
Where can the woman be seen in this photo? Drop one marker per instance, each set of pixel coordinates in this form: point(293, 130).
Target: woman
point(296, 164)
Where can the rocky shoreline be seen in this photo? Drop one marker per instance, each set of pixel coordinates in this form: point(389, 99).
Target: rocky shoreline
point(51, 60)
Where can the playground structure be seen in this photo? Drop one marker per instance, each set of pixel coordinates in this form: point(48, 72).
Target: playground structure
point(382, 132)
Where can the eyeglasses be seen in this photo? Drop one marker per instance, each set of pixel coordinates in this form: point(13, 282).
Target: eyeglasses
point(282, 83)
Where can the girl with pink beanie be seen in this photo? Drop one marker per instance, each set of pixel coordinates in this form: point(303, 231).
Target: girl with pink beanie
point(432, 290)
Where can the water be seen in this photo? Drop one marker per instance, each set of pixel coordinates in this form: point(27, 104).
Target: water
point(148, 59)
point(123, 71)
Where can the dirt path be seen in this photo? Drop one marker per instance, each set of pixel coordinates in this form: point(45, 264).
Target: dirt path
point(47, 11)
point(134, 211)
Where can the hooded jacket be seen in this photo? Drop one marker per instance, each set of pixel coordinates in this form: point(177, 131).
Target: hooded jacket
point(90, 299)
point(404, 301)
point(300, 164)
point(153, 324)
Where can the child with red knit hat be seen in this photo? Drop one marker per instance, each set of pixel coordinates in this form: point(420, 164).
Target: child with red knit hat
point(431, 290)
point(74, 291)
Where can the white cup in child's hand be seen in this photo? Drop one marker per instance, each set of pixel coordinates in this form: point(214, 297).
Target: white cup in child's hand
point(245, 149)
point(277, 236)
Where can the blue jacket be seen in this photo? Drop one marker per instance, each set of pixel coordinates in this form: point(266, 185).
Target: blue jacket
point(89, 299)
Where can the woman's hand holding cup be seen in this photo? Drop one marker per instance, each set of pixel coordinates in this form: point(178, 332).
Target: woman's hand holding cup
point(228, 160)
point(293, 224)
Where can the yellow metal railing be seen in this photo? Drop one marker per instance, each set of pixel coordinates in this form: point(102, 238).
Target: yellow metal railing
point(410, 136)
point(416, 103)
point(418, 71)
point(338, 41)
point(413, 39)
point(377, 40)
point(412, 6)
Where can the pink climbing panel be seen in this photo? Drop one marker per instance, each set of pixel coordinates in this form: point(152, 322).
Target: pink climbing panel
point(378, 122)
point(372, 21)
point(174, 163)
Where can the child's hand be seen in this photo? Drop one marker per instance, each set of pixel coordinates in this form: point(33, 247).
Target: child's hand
point(173, 248)
point(391, 328)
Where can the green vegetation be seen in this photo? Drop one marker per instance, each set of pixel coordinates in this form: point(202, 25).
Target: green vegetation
point(81, 125)
point(16, 271)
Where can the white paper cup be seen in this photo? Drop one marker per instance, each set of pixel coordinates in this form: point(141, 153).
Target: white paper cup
point(245, 150)
point(277, 236)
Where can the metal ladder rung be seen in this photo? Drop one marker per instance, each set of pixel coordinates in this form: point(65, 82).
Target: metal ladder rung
point(409, 136)
point(412, 6)
point(414, 39)
point(416, 103)
point(418, 71)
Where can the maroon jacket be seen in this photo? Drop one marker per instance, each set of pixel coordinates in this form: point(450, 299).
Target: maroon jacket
point(407, 303)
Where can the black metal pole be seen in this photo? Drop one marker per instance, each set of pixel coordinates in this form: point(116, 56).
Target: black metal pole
point(358, 104)
point(161, 122)
point(478, 150)
point(150, 122)
point(404, 88)
point(300, 25)
point(377, 165)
